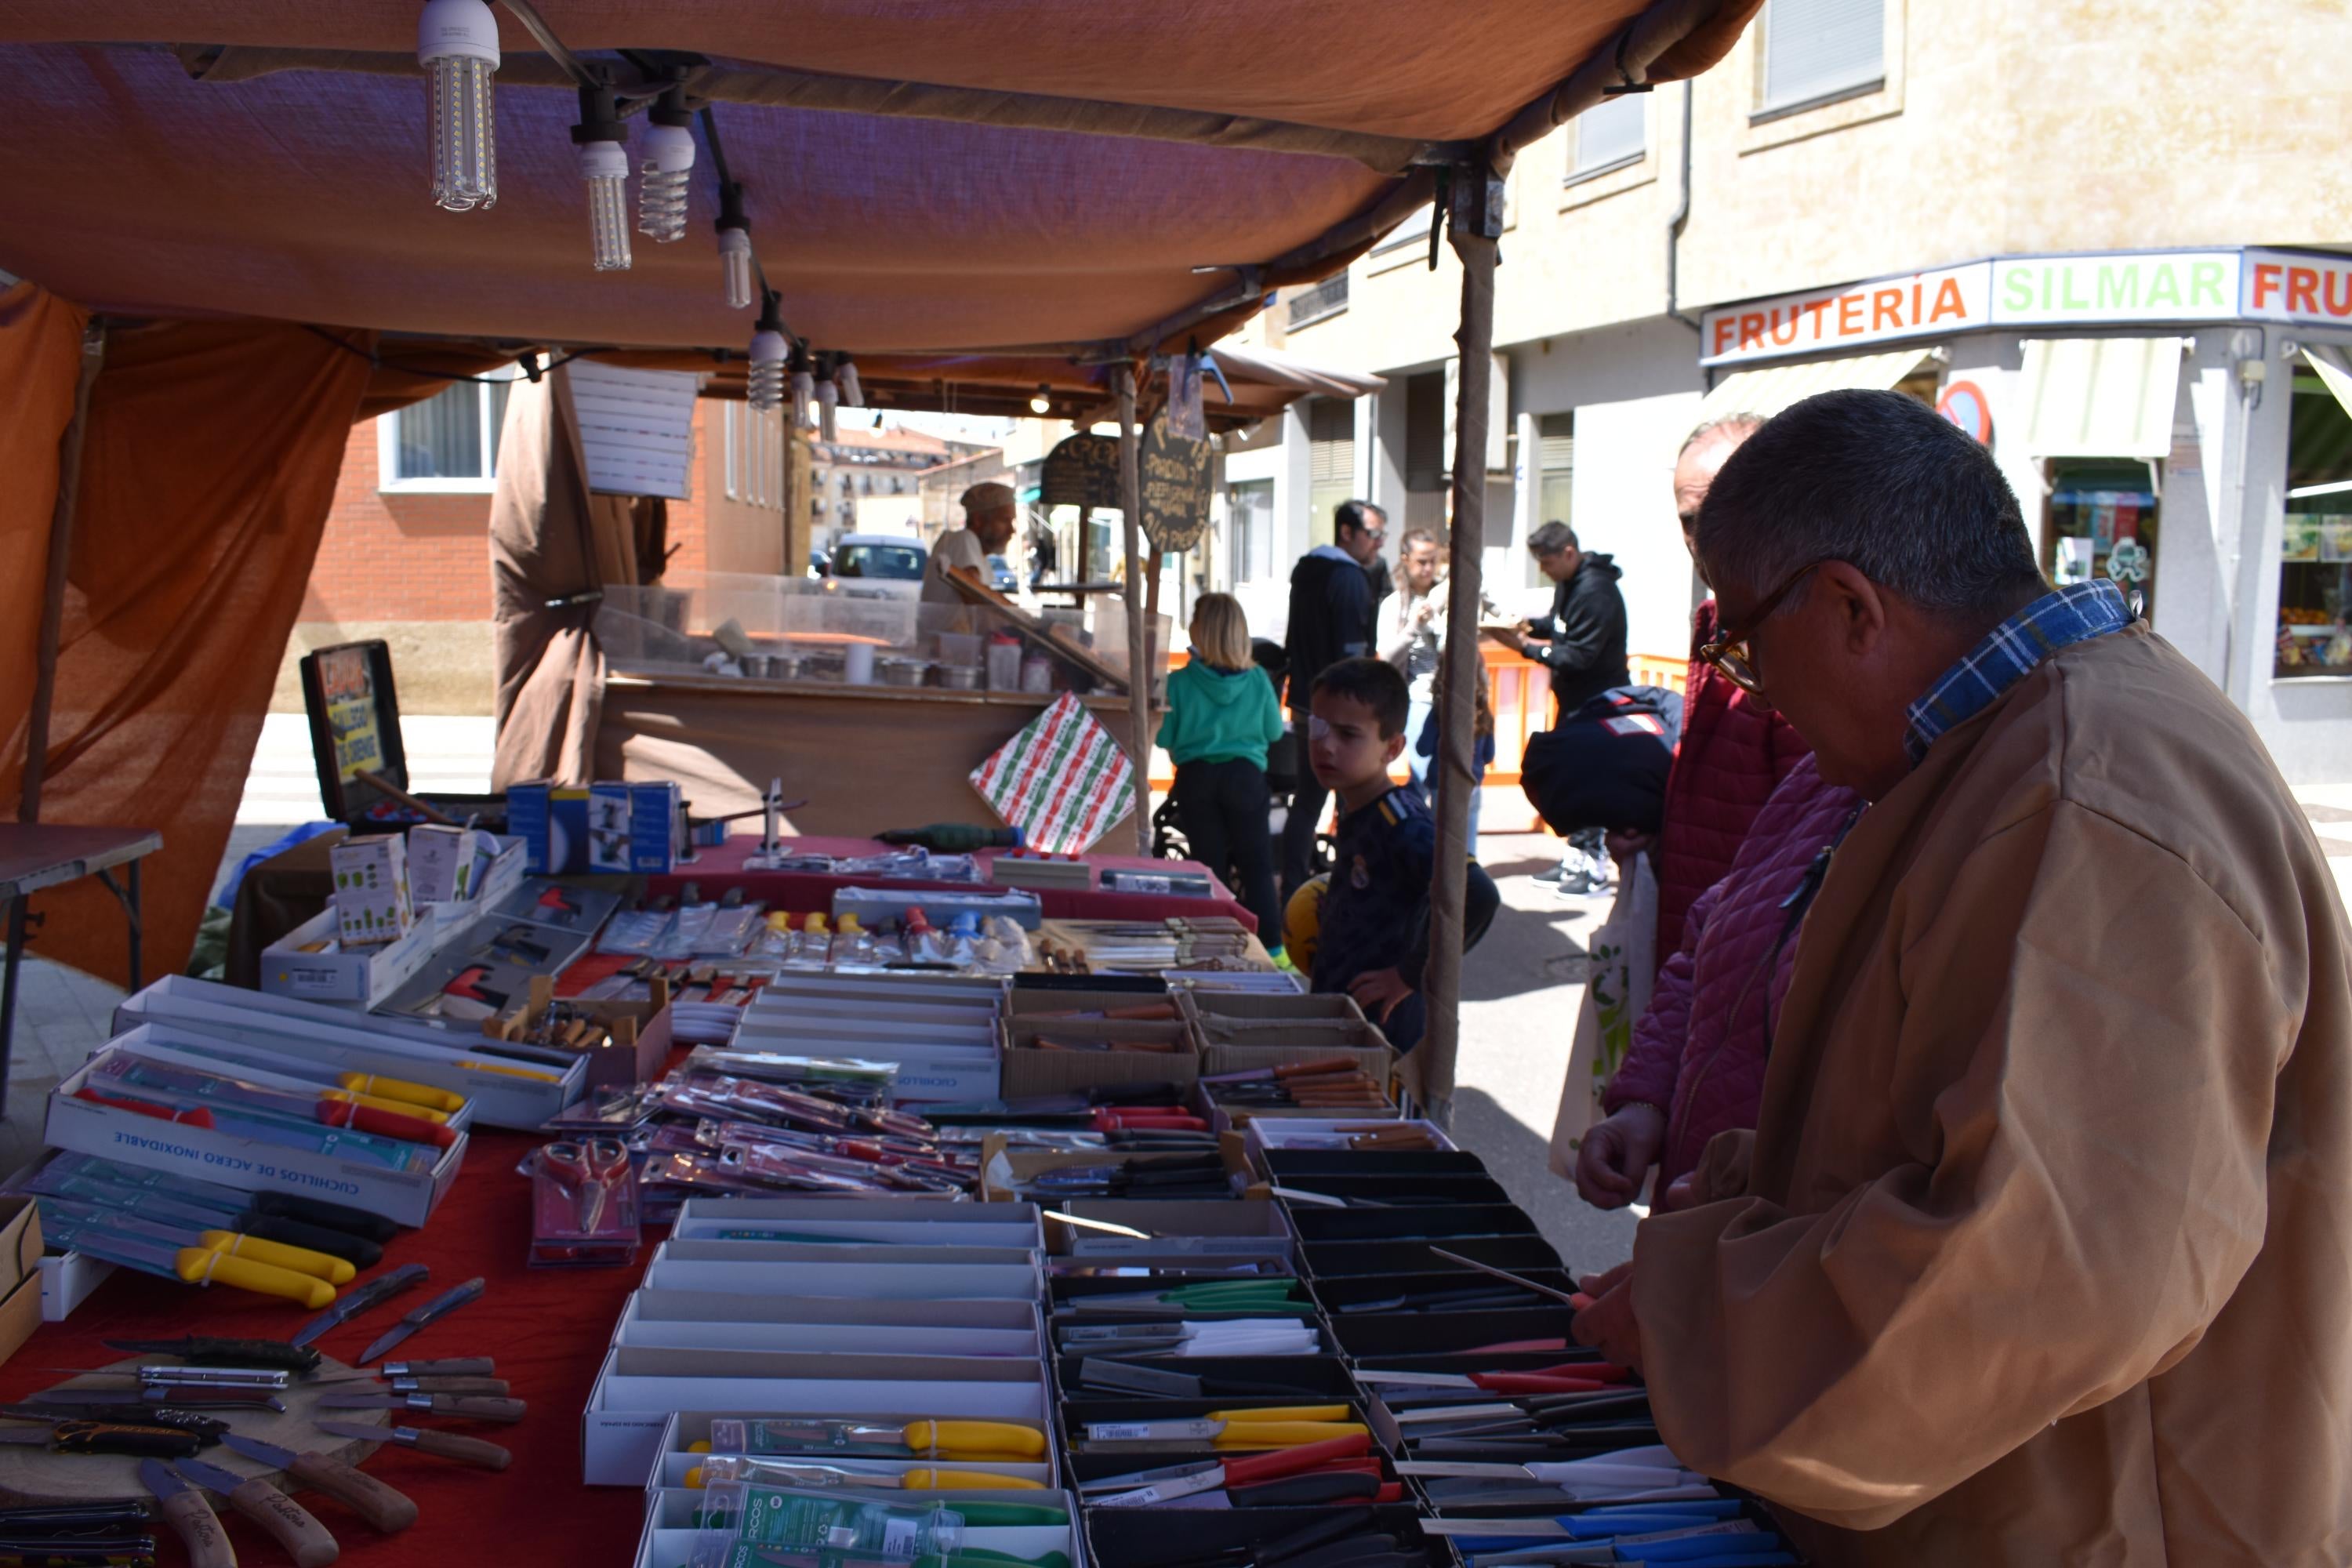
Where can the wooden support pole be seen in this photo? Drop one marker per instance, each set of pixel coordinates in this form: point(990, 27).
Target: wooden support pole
point(53, 597)
point(1476, 220)
point(1138, 643)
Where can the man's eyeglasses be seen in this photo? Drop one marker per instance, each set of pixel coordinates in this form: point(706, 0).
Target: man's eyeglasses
point(1728, 651)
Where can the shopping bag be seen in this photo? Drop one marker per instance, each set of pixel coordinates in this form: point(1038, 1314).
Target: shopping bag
point(1618, 977)
point(1063, 780)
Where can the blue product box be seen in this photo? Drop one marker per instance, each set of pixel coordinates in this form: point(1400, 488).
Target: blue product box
point(527, 820)
point(552, 822)
point(609, 844)
point(653, 826)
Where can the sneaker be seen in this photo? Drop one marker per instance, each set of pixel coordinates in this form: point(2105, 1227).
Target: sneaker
point(1553, 873)
point(1573, 884)
point(1282, 961)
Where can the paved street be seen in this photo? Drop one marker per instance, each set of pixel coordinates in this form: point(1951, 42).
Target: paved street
point(1521, 987)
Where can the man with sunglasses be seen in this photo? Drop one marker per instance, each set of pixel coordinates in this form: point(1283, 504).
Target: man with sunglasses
point(2037, 1252)
point(1332, 610)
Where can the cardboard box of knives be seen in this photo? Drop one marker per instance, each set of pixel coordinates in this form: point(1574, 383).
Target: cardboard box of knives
point(940, 1032)
point(406, 1193)
point(623, 1043)
point(1140, 1538)
point(674, 1514)
point(1359, 1083)
point(1009, 1175)
point(508, 1086)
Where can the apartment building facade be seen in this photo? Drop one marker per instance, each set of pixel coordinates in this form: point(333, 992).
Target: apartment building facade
point(2100, 237)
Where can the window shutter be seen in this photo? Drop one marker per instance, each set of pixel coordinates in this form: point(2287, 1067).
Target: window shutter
point(1816, 47)
point(637, 427)
point(1556, 443)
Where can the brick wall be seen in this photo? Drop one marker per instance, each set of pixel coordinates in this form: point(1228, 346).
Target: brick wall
point(398, 557)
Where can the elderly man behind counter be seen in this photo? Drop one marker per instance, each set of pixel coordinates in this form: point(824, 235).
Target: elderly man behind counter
point(2037, 1254)
point(988, 513)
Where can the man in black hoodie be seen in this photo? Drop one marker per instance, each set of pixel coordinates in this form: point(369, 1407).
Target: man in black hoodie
point(1331, 615)
point(1582, 641)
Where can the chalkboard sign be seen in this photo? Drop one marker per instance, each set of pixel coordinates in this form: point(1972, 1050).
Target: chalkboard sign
point(1175, 487)
point(1083, 471)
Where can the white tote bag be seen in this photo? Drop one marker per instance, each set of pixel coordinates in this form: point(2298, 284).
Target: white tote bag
point(1618, 976)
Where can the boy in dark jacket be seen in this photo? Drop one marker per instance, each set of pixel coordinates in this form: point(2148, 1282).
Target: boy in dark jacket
point(1371, 938)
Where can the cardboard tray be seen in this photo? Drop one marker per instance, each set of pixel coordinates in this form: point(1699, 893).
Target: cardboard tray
point(1434, 1222)
point(1178, 1230)
point(1325, 1377)
point(1164, 1538)
point(670, 1536)
point(638, 1039)
point(1288, 1165)
point(1076, 1415)
point(883, 1221)
point(1344, 1259)
point(1416, 1189)
point(1399, 1333)
point(675, 1320)
point(688, 1428)
point(1350, 1300)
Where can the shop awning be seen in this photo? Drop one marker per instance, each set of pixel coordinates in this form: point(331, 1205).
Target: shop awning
point(2099, 397)
point(2332, 372)
point(1766, 392)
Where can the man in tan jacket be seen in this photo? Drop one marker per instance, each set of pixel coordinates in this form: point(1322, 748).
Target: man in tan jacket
point(2042, 1251)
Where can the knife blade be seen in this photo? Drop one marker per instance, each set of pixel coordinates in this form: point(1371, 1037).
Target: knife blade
point(430, 1404)
point(189, 1515)
point(180, 1396)
point(425, 1440)
point(372, 1294)
point(287, 1523)
point(448, 1301)
point(388, 1510)
point(74, 1436)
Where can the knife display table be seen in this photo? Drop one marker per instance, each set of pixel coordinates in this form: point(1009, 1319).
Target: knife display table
point(547, 1328)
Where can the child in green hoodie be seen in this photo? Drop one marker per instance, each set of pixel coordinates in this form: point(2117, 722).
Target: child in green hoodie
point(1222, 716)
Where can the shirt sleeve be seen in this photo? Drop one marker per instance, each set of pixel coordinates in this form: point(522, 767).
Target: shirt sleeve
point(2086, 1136)
point(1271, 726)
point(1395, 638)
point(1592, 624)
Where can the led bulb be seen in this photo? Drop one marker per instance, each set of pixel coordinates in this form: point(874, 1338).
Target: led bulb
point(605, 166)
point(1041, 402)
point(828, 400)
point(803, 396)
point(735, 267)
point(457, 44)
point(845, 375)
point(767, 381)
point(665, 165)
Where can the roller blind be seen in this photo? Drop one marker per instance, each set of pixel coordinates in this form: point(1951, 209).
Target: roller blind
point(1816, 47)
point(1611, 133)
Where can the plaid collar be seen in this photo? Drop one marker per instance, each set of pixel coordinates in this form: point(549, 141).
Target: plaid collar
point(2008, 654)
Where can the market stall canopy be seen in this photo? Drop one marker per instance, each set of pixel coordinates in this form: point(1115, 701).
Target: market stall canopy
point(923, 177)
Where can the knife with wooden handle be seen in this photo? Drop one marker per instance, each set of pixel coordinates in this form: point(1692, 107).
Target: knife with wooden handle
point(190, 1516)
point(287, 1523)
point(426, 1440)
point(459, 1404)
point(380, 1505)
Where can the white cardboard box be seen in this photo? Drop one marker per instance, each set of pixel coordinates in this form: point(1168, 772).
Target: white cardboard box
point(638, 1391)
point(448, 863)
point(830, 1326)
point(212, 1155)
point(371, 899)
point(899, 1221)
point(249, 1061)
point(688, 1428)
point(670, 1536)
point(361, 976)
point(360, 1042)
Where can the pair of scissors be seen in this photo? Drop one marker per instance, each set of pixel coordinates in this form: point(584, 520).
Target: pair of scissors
point(589, 1168)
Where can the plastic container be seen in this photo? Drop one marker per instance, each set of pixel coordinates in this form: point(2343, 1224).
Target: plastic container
point(1004, 663)
point(960, 647)
point(1037, 673)
point(857, 664)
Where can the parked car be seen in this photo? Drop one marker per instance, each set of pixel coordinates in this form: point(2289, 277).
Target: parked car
point(820, 563)
point(891, 556)
point(1000, 575)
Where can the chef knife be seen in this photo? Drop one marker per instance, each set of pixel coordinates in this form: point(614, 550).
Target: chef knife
point(287, 1521)
point(380, 1505)
point(448, 1301)
point(425, 1440)
point(374, 1293)
point(187, 1512)
point(430, 1404)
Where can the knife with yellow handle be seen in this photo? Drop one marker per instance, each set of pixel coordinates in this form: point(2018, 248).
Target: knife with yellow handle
point(278, 1254)
point(378, 1102)
point(402, 1091)
point(204, 1265)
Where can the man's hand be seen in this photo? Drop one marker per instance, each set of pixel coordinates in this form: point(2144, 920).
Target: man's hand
point(1624, 842)
point(1514, 639)
point(1617, 1153)
point(1604, 1316)
point(1378, 992)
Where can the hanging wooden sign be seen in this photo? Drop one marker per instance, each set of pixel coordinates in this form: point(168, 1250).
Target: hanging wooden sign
point(1175, 487)
point(1083, 471)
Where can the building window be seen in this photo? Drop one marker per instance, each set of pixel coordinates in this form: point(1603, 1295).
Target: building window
point(1813, 51)
point(449, 441)
point(1330, 462)
point(2102, 523)
point(1249, 506)
point(1326, 300)
point(1610, 135)
point(2315, 630)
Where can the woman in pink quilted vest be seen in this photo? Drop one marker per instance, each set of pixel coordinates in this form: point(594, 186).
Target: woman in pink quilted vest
point(1697, 1065)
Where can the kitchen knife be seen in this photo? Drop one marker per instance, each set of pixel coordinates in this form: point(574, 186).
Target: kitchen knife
point(448, 1301)
point(374, 1293)
point(287, 1523)
point(190, 1516)
point(425, 1440)
point(429, 1403)
point(380, 1505)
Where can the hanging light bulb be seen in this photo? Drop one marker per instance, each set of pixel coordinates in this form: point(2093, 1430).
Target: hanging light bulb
point(604, 164)
point(734, 248)
point(804, 389)
point(457, 44)
point(663, 168)
point(1041, 402)
point(828, 405)
point(768, 351)
point(845, 375)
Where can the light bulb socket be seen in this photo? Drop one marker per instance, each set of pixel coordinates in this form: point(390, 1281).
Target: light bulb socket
point(730, 214)
point(771, 320)
point(603, 160)
point(458, 29)
point(600, 118)
point(670, 108)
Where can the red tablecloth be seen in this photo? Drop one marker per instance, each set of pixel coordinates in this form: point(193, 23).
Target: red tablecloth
point(547, 1328)
point(721, 867)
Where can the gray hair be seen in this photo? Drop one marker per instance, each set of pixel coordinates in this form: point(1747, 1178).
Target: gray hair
point(1552, 539)
point(1729, 427)
point(1881, 481)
